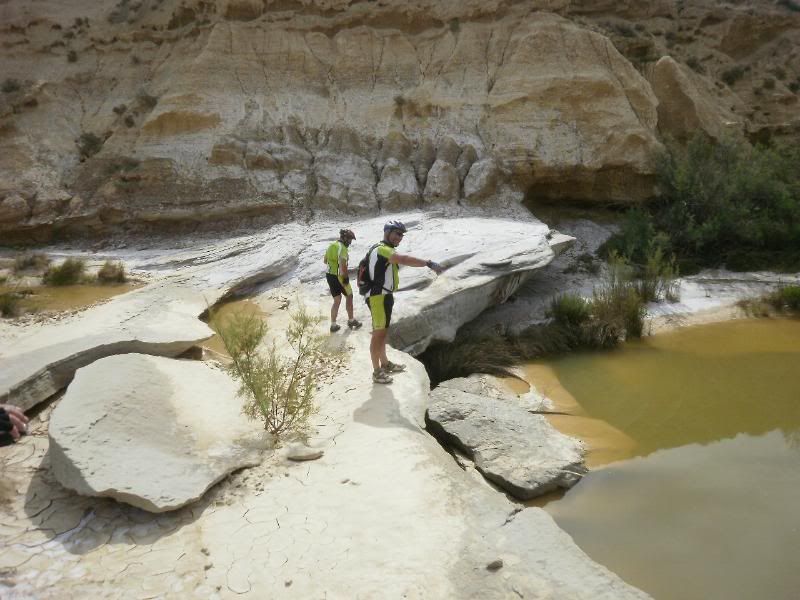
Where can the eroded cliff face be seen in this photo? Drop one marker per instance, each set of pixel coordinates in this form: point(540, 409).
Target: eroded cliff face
point(167, 114)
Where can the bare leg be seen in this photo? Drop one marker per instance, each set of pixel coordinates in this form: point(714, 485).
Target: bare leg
point(337, 300)
point(348, 304)
point(377, 348)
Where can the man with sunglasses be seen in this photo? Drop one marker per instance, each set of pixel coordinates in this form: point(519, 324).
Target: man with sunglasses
point(384, 265)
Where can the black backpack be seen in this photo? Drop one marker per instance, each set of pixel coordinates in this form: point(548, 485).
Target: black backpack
point(363, 280)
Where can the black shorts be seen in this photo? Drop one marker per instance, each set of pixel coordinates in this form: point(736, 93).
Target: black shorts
point(337, 287)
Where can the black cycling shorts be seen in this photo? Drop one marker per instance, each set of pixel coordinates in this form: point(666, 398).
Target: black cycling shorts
point(337, 287)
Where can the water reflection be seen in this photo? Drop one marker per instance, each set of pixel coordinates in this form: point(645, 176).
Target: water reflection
point(714, 521)
point(708, 508)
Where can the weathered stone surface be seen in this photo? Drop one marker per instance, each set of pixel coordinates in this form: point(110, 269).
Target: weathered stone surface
point(686, 106)
point(397, 189)
point(41, 362)
point(13, 209)
point(519, 451)
point(442, 184)
point(481, 181)
point(482, 269)
point(150, 431)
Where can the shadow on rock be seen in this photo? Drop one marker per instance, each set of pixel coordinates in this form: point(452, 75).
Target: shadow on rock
point(383, 410)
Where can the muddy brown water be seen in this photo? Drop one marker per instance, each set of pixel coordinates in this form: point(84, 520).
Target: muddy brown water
point(695, 437)
point(42, 298)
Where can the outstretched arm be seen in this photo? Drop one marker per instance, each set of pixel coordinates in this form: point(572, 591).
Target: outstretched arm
point(413, 261)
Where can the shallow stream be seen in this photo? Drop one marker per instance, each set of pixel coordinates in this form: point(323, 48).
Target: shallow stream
point(695, 483)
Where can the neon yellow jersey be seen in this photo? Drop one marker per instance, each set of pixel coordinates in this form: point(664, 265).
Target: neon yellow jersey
point(336, 251)
point(385, 275)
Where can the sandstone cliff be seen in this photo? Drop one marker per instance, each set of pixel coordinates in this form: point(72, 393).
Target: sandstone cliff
point(176, 114)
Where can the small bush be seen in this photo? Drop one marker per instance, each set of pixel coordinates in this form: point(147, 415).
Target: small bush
point(695, 65)
point(785, 299)
point(623, 29)
point(569, 309)
point(120, 109)
point(277, 390)
point(112, 272)
point(36, 261)
point(779, 73)
point(146, 100)
point(617, 304)
point(129, 121)
point(10, 305)
point(769, 83)
point(69, 272)
point(89, 144)
point(10, 86)
point(732, 75)
point(72, 56)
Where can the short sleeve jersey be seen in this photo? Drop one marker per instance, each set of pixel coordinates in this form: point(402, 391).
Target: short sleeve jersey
point(385, 275)
point(336, 251)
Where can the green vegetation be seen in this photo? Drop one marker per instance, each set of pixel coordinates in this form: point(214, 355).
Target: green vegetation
point(31, 262)
point(10, 85)
point(72, 56)
point(615, 312)
point(785, 299)
point(277, 390)
point(89, 144)
point(734, 74)
point(111, 273)
point(724, 204)
point(10, 305)
point(69, 272)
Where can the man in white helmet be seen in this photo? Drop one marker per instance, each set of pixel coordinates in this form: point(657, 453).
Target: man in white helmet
point(384, 265)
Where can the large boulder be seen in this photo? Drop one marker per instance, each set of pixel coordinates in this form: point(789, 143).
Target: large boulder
point(485, 261)
point(150, 431)
point(511, 446)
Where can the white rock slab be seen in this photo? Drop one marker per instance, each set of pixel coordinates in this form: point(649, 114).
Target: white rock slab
point(150, 431)
point(514, 448)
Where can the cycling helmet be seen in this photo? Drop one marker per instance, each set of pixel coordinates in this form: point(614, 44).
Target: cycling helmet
point(347, 233)
point(394, 225)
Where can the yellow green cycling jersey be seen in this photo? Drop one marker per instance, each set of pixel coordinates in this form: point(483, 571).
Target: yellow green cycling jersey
point(385, 275)
point(336, 251)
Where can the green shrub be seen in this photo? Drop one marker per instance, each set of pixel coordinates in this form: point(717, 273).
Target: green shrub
point(33, 261)
point(72, 56)
point(616, 305)
point(69, 272)
point(112, 272)
point(785, 298)
point(734, 74)
point(769, 83)
point(10, 85)
point(89, 144)
point(10, 305)
point(725, 203)
point(657, 278)
point(569, 309)
point(277, 390)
